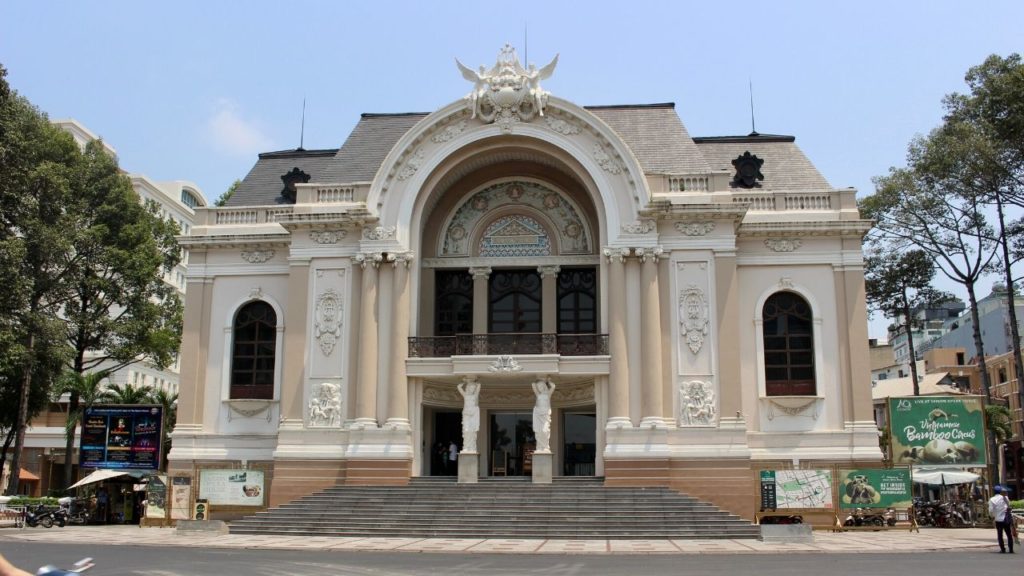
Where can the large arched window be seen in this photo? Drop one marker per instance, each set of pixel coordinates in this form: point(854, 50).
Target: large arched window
point(253, 351)
point(788, 346)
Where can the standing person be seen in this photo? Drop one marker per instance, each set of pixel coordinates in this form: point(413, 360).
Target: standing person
point(102, 505)
point(999, 510)
point(453, 458)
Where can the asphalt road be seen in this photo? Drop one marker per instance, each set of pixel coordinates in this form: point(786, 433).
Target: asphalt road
point(178, 561)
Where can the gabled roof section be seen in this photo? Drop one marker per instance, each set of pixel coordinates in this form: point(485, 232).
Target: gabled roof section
point(656, 136)
point(785, 166)
point(367, 146)
point(262, 185)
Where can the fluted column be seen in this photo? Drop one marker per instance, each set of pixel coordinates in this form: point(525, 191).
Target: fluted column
point(398, 392)
point(549, 298)
point(618, 372)
point(366, 385)
point(650, 340)
point(480, 277)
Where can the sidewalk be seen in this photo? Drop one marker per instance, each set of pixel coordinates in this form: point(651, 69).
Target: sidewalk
point(947, 540)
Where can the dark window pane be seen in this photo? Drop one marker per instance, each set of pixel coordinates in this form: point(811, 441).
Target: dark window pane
point(253, 351)
point(788, 345)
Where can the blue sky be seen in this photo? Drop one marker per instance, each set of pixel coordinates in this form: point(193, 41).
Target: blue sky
point(193, 90)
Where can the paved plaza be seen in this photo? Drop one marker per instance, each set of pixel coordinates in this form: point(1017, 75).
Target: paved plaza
point(967, 539)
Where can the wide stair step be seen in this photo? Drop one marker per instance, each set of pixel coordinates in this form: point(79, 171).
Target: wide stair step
point(569, 508)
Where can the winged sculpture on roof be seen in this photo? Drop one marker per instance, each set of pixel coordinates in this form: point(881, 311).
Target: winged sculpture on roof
point(507, 93)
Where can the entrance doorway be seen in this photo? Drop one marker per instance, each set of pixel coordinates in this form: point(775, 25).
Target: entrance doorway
point(447, 429)
point(512, 444)
point(580, 433)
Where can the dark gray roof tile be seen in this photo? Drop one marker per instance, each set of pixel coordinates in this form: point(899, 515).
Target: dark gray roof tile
point(262, 185)
point(656, 136)
point(785, 166)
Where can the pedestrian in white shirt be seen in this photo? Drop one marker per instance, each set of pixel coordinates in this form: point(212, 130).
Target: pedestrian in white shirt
point(999, 510)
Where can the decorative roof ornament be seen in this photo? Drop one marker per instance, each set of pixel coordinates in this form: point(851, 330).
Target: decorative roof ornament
point(748, 171)
point(290, 179)
point(507, 93)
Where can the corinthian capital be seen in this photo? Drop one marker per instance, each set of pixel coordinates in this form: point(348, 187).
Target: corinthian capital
point(651, 254)
point(616, 254)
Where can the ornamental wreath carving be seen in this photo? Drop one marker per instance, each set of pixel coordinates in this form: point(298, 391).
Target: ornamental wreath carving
point(701, 228)
point(325, 406)
point(782, 244)
point(696, 403)
point(412, 164)
point(328, 320)
point(257, 256)
point(378, 233)
point(693, 317)
point(327, 236)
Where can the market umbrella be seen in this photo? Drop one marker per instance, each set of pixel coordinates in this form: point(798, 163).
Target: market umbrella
point(945, 477)
point(98, 476)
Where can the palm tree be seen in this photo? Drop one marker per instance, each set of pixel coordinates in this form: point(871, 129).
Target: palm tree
point(997, 420)
point(128, 393)
point(89, 388)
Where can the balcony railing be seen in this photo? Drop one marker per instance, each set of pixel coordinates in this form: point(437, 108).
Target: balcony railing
point(501, 344)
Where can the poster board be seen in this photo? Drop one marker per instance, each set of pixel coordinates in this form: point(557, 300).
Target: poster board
point(122, 437)
point(938, 430)
point(181, 497)
point(875, 488)
point(233, 487)
point(796, 490)
point(156, 497)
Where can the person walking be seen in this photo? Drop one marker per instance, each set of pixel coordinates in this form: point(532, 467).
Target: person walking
point(453, 458)
point(999, 510)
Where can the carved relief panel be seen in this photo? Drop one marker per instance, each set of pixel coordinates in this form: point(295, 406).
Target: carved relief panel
point(694, 319)
point(328, 325)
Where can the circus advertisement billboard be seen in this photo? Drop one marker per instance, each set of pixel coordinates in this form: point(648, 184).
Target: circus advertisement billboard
point(125, 437)
point(937, 430)
point(875, 488)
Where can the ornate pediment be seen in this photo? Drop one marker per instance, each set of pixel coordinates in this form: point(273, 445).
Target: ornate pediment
point(507, 93)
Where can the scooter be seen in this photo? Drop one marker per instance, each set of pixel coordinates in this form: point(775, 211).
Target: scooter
point(39, 516)
point(78, 567)
point(72, 511)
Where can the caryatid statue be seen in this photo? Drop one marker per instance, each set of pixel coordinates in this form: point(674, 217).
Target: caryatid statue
point(470, 390)
point(543, 389)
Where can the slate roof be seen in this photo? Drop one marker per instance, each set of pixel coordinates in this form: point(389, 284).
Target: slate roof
point(262, 185)
point(656, 136)
point(785, 166)
point(653, 132)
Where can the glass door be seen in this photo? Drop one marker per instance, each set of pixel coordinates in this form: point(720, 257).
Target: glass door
point(580, 430)
point(512, 444)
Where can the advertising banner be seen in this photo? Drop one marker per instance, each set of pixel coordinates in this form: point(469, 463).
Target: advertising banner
point(231, 487)
point(875, 488)
point(937, 430)
point(181, 497)
point(121, 437)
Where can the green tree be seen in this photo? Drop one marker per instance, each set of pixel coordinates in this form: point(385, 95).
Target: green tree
point(169, 402)
point(999, 422)
point(987, 124)
point(898, 283)
point(89, 389)
point(223, 199)
point(121, 310)
point(37, 164)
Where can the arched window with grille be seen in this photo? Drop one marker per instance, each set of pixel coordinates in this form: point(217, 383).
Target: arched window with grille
point(253, 351)
point(788, 346)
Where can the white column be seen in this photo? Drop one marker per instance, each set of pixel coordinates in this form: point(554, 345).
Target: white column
point(366, 385)
point(398, 392)
point(650, 340)
point(618, 372)
point(549, 298)
point(480, 292)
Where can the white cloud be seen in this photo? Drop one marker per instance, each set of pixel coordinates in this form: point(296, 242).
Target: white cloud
point(233, 134)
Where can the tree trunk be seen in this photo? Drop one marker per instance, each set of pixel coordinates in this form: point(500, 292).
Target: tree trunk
point(22, 423)
point(908, 325)
point(979, 350)
point(8, 438)
point(1018, 362)
point(69, 432)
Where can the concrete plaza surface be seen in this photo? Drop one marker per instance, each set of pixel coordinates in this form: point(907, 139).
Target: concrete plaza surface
point(976, 539)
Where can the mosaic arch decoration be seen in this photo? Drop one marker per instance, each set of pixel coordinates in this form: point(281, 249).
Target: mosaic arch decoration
point(572, 231)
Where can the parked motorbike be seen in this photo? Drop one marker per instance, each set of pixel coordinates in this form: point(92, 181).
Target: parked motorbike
point(862, 517)
point(39, 515)
point(783, 519)
point(73, 511)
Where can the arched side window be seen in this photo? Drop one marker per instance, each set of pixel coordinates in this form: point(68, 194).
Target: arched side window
point(788, 346)
point(253, 351)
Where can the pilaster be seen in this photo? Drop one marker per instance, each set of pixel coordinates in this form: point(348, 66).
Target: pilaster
point(618, 373)
point(650, 340)
point(366, 384)
point(398, 393)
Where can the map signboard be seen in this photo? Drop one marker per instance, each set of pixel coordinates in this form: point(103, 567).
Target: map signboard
point(875, 488)
point(231, 487)
point(799, 488)
point(121, 437)
point(937, 430)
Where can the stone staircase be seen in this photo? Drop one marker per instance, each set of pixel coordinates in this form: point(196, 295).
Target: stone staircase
point(569, 508)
